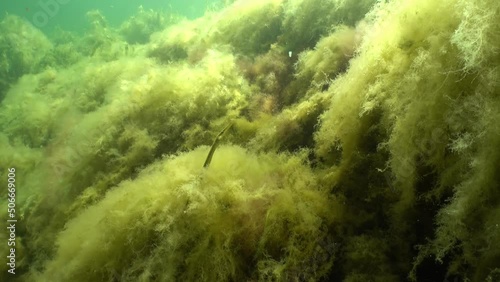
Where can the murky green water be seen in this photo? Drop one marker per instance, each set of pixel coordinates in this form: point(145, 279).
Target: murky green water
point(70, 14)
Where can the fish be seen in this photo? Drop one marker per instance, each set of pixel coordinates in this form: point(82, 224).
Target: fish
point(215, 144)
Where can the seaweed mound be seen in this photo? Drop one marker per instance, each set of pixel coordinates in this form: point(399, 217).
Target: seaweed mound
point(242, 217)
point(22, 48)
point(415, 119)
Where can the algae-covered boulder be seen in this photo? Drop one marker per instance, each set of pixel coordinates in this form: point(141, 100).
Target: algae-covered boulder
point(306, 21)
point(100, 130)
point(415, 119)
point(246, 27)
point(139, 27)
point(245, 217)
point(22, 47)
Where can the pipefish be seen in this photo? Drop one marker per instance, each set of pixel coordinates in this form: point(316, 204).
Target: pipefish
point(215, 144)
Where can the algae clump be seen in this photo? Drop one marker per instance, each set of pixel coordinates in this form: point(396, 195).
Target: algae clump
point(170, 224)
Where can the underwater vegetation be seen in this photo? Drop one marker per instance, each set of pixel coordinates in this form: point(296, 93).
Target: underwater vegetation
point(22, 48)
point(350, 141)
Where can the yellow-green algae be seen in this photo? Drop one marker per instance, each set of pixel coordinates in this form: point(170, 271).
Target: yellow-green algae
point(178, 221)
point(369, 154)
